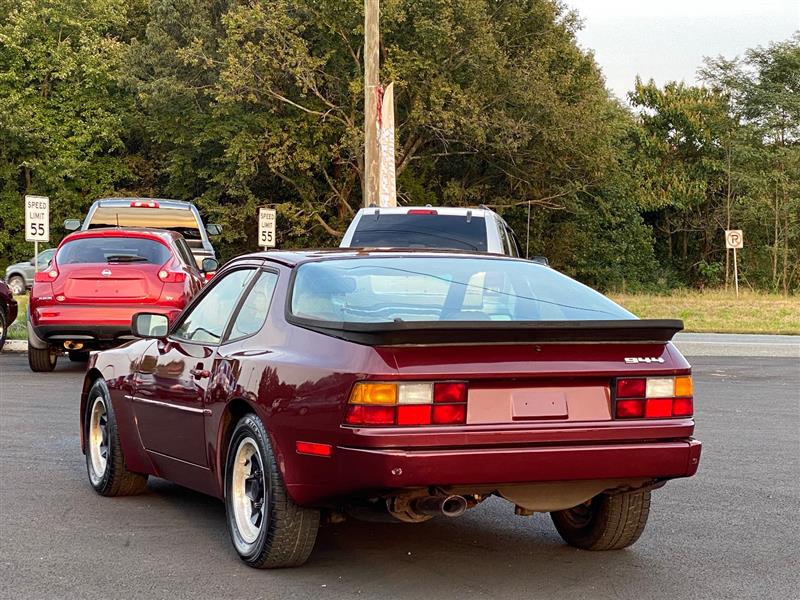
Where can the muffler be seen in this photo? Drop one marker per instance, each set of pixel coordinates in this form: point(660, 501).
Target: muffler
point(449, 506)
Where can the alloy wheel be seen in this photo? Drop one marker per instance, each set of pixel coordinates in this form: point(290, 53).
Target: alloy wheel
point(249, 490)
point(98, 440)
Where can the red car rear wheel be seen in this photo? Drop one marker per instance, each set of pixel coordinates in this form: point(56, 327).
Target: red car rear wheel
point(604, 522)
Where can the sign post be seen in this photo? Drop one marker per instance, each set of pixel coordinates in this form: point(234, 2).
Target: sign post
point(267, 218)
point(37, 223)
point(734, 240)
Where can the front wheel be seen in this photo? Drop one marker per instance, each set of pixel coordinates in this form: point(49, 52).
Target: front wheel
point(41, 360)
point(268, 530)
point(604, 522)
point(105, 462)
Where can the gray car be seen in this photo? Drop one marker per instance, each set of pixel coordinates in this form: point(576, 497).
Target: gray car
point(19, 276)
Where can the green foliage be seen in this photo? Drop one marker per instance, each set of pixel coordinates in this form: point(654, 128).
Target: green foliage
point(236, 105)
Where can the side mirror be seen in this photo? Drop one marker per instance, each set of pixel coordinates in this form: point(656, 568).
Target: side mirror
point(542, 260)
point(150, 326)
point(214, 229)
point(72, 224)
point(209, 265)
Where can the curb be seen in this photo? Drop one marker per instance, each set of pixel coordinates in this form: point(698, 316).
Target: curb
point(16, 346)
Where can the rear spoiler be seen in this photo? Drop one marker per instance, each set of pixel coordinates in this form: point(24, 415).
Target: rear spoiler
point(488, 332)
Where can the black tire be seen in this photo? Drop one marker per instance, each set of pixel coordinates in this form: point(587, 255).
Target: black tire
point(3, 330)
point(17, 285)
point(282, 534)
point(113, 478)
point(605, 522)
point(41, 360)
point(79, 355)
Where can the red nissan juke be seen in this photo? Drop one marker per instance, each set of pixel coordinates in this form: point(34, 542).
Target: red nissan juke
point(97, 280)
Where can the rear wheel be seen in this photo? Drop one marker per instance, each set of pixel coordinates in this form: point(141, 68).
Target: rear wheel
point(41, 360)
point(604, 522)
point(105, 462)
point(268, 530)
point(17, 285)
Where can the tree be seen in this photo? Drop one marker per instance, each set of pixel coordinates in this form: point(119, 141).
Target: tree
point(62, 112)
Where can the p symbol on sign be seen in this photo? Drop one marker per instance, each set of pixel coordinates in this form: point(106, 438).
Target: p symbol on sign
point(734, 239)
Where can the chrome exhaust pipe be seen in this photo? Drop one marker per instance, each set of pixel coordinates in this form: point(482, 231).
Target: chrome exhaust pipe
point(449, 506)
point(70, 345)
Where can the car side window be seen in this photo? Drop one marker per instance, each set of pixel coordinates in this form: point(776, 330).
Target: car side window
point(512, 241)
point(253, 313)
point(205, 323)
point(186, 254)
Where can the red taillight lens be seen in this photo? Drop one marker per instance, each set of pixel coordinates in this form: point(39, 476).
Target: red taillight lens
point(423, 211)
point(360, 414)
point(682, 407)
point(449, 414)
point(414, 414)
point(449, 392)
point(171, 276)
point(630, 409)
point(142, 204)
point(658, 407)
point(631, 388)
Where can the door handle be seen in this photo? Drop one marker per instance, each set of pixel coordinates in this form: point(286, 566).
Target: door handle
point(200, 373)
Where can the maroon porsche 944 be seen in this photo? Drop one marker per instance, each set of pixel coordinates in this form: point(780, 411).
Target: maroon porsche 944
point(401, 384)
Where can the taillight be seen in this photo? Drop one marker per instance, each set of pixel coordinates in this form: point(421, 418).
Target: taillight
point(653, 397)
point(46, 276)
point(407, 404)
point(423, 211)
point(144, 204)
point(171, 276)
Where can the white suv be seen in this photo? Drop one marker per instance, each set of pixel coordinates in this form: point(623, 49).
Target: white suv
point(471, 229)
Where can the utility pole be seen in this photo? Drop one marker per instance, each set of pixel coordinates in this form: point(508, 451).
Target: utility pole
point(371, 82)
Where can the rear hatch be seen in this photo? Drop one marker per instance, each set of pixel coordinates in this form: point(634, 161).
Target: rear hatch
point(110, 269)
point(538, 383)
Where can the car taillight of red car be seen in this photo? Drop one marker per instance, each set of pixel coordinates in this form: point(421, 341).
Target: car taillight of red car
point(407, 403)
point(653, 397)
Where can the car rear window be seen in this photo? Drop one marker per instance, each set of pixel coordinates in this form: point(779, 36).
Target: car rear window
point(420, 231)
point(113, 250)
point(425, 288)
point(174, 219)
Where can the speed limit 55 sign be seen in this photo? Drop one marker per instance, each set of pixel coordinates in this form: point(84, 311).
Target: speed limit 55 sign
point(37, 219)
point(266, 227)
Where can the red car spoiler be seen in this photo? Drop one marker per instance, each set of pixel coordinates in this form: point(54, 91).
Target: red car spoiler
point(487, 332)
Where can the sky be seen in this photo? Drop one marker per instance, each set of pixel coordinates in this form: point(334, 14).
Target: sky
point(667, 41)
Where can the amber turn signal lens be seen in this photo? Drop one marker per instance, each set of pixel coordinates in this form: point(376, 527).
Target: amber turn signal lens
point(384, 394)
point(683, 386)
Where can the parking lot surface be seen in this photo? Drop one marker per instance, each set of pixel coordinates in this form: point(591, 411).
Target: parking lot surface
point(732, 531)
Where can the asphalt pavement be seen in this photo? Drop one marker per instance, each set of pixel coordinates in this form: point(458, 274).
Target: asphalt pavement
point(732, 531)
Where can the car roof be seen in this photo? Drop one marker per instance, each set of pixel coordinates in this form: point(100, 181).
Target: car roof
point(138, 232)
point(126, 202)
point(292, 258)
point(480, 211)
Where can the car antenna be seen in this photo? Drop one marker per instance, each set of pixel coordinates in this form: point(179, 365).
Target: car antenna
point(116, 214)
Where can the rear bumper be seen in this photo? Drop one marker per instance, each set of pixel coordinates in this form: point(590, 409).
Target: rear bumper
point(97, 326)
point(362, 470)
